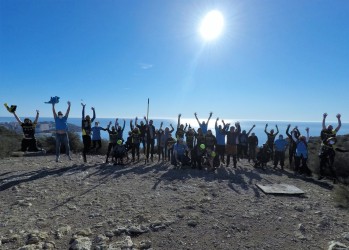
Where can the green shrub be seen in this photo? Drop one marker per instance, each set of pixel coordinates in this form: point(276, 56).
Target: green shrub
point(10, 141)
point(49, 143)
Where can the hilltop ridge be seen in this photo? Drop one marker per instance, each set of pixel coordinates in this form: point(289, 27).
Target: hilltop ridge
point(155, 206)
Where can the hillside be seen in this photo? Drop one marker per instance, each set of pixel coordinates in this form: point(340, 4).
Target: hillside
point(65, 205)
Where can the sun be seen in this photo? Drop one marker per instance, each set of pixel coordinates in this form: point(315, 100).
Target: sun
point(211, 25)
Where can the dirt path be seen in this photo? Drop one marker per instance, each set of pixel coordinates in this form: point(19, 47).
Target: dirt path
point(65, 205)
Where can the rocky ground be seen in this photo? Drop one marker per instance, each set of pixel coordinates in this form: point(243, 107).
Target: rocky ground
point(71, 205)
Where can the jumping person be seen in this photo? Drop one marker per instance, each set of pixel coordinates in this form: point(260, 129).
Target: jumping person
point(150, 136)
point(243, 143)
point(328, 131)
point(203, 125)
point(293, 145)
point(302, 154)
point(181, 130)
point(96, 136)
point(231, 147)
point(280, 148)
point(28, 127)
point(142, 129)
point(86, 130)
point(327, 156)
point(252, 146)
point(220, 136)
point(113, 139)
point(61, 130)
point(271, 138)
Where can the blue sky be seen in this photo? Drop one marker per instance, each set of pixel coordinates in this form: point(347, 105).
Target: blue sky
point(276, 59)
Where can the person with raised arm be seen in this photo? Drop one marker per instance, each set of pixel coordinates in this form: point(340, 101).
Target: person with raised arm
point(203, 125)
point(61, 130)
point(164, 138)
point(141, 128)
point(181, 130)
point(292, 147)
point(232, 141)
point(96, 136)
point(28, 127)
point(120, 129)
point(252, 146)
point(150, 136)
point(301, 159)
point(220, 136)
point(328, 131)
point(271, 138)
point(86, 130)
point(113, 139)
point(243, 143)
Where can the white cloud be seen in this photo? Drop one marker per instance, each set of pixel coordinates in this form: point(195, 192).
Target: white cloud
point(146, 66)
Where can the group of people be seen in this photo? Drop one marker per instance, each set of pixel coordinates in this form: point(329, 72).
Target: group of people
point(187, 146)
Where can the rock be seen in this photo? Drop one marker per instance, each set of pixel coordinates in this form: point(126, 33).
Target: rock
point(134, 230)
point(192, 223)
point(344, 235)
point(127, 242)
point(335, 245)
point(81, 243)
point(109, 234)
point(62, 231)
point(23, 203)
point(301, 227)
point(299, 208)
point(119, 231)
point(145, 244)
point(84, 232)
point(49, 245)
point(35, 237)
point(101, 238)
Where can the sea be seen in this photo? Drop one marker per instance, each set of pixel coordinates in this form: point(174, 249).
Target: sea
point(314, 127)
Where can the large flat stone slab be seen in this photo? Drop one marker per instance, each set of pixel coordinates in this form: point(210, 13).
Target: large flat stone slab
point(280, 189)
point(21, 154)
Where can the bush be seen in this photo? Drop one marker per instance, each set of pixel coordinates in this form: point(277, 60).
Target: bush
point(49, 143)
point(10, 141)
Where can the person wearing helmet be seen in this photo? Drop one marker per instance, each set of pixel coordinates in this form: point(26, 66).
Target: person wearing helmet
point(86, 130)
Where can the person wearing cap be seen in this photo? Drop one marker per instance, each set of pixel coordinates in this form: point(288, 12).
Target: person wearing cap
point(86, 130)
point(61, 130)
point(180, 151)
point(280, 146)
point(28, 127)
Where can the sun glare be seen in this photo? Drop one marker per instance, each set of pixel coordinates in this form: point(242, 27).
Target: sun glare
point(212, 25)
